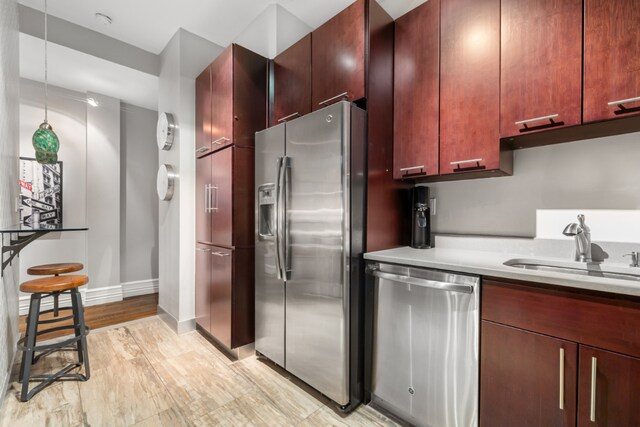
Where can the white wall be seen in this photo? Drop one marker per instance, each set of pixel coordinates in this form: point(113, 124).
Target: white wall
point(600, 173)
point(9, 113)
point(138, 201)
point(184, 57)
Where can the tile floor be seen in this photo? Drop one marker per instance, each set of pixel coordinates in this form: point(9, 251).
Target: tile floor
point(142, 374)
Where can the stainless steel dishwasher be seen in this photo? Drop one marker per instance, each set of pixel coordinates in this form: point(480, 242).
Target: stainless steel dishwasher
point(426, 345)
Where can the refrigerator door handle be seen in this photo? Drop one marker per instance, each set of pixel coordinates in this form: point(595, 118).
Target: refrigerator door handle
point(282, 220)
point(277, 217)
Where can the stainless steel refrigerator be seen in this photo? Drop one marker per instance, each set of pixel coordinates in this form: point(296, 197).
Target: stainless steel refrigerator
point(310, 204)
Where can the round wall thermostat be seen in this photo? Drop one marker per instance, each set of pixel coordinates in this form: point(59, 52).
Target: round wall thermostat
point(165, 182)
point(165, 131)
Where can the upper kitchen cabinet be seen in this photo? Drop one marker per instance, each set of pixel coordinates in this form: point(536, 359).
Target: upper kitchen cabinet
point(232, 107)
point(292, 81)
point(470, 89)
point(416, 86)
point(541, 65)
point(338, 57)
point(611, 59)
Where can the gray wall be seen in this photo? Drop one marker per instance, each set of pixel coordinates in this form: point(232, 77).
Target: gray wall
point(9, 113)
point(600, 173)
point(138, 200)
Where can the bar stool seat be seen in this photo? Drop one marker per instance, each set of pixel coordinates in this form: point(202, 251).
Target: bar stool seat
point(54, 269)
point(45, 287)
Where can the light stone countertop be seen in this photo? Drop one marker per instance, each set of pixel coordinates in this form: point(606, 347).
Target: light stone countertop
point(490, 263)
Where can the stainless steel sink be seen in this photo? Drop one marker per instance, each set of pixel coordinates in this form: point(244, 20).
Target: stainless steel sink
point(593, 269)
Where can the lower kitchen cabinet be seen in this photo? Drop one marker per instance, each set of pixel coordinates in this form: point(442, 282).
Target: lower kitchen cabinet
point(608, 389)
point(546, 349)
point(528, 379)
point(224, 294)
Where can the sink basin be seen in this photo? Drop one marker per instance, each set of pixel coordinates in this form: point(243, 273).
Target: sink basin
point(592, 269)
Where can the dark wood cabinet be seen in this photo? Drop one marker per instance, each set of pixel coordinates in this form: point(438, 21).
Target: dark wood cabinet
point(608, 389)
point(221, 294)
point(470, 88)
point(338, 57)
point(541, 65)
point(203, 287)
point(416, 92)
point(232, 107)
point(524, 326)
point(292, 81)
point(527, 379)
point(611, 59)
point(224, 203)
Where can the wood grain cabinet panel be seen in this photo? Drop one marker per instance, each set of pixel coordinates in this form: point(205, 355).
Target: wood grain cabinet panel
point(249, 95)
point(614, 401)
point(203, 112)
point(222, 100)
point(469, 85)
point(221, 294)
point(416, 92)
point(611, 59)
point(203, 287)
point(338, 57)
point(292, 81)
point(203, 199)
point(541, 65)
point(221, 195)
point(527, 379)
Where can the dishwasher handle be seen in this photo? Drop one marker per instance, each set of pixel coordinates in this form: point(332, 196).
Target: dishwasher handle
point(433, 284)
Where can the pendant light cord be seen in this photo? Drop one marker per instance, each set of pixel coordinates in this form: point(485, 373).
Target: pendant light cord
point(46, 88)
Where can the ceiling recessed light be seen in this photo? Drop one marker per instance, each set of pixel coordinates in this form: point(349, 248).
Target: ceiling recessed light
point(92, 102)
point(103, 19)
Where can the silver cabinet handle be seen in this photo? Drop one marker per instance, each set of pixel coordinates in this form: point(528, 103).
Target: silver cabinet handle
point(411, 168)
point(443, 286)
point(202, 249)
point(206, 198)
point(462, 162)
point(290, 116)
point(220, 141)
point(213, 208)
point(537, 119)
point(342, 95)
point(202, 149)
point(561, 379)
point(220, 254)
point(624, 101)
point(594, 374)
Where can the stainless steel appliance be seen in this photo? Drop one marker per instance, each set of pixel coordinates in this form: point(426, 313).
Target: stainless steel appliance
point(426, 345)
point(421, 218)
point(310, 187)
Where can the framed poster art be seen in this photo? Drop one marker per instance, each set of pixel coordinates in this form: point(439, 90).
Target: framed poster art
point(40, 194)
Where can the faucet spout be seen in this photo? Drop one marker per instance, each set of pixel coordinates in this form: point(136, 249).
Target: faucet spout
point(582, 236)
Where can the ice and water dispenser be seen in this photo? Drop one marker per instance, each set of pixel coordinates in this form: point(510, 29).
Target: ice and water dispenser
point(266, 211)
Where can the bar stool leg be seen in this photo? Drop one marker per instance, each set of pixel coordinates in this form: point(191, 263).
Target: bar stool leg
point(80, 329)
point(28, 354)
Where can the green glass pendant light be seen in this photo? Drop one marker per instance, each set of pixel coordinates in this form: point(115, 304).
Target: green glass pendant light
point(44, 140)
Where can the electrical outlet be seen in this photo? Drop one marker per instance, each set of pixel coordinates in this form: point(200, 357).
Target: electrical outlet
point(432, 205)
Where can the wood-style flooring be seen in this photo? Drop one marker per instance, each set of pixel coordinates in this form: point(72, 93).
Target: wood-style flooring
point(143, 374)
point(100, 316)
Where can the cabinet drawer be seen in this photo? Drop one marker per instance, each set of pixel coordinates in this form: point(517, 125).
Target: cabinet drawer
point(600, 321)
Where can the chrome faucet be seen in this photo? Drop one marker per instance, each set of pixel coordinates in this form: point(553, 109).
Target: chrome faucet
point(582, 234)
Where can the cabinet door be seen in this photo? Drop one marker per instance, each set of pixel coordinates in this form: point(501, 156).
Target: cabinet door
point(526, 379)
point(221, 294)
point(203, 112)
point(292, 81)
point(469, 85)
point(222, 197)
point(416, 85)
point(203, 287)
point(611, 59)
point(203, 199)
point(610, 397)
point(222, 99)
point(337, 57)
point(541, 65)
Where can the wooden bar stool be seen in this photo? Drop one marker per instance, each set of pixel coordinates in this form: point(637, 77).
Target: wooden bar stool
point(54, 270)
point(53, 287)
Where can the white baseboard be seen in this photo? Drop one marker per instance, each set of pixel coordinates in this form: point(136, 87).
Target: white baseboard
point(179, 327)
point(140, 287)
point(89, 297)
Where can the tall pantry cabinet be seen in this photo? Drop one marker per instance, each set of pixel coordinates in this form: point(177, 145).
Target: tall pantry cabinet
point(230, 108)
